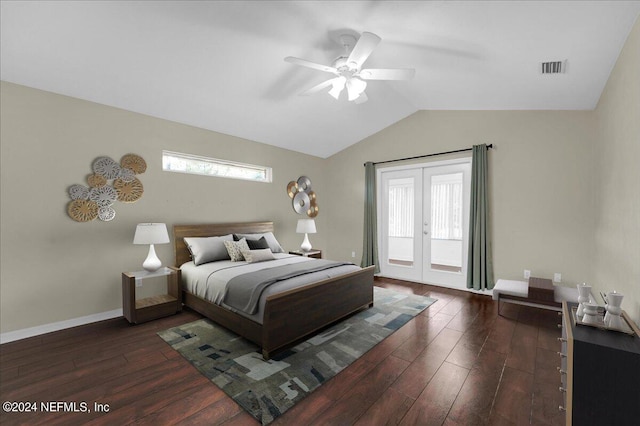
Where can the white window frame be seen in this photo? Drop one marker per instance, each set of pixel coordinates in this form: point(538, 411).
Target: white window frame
point(218, 168)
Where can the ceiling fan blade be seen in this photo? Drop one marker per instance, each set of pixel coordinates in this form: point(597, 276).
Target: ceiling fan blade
point(361, 99)
point(313, 65)
point(387, 74)
point(319, 87)
point(363, 48)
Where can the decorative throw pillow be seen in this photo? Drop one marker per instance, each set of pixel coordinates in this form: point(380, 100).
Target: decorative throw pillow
point(254, 244)
point(261, 255)
point(207, 249)
point(274, 245)
point(235, 248)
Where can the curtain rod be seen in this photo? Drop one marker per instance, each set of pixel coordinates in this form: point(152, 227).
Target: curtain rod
point(428, 155)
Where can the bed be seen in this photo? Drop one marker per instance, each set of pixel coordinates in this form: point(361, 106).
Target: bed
point(286, 316)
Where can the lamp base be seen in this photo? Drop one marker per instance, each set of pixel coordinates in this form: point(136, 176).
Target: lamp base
point(152, 263)
point(306, 245)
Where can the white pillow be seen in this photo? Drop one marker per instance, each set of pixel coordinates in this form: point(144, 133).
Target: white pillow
point(208, 249)
point(274, 245)
point(235, 249)
point(260, 255)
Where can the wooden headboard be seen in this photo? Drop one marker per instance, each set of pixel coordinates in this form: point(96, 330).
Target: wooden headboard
point(180, 250)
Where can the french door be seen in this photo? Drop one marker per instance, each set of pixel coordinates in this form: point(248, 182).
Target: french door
point(423, 214)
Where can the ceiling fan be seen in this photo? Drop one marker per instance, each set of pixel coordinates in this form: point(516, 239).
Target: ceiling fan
point(348, 69)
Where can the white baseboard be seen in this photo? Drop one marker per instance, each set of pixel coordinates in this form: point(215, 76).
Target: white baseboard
point(11, 336)
point(486, 292)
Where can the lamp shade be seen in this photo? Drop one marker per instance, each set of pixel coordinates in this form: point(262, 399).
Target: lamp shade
point(151, 233)
point(306, 226)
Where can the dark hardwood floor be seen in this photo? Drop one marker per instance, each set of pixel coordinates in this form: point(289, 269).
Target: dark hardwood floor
point(458, 363)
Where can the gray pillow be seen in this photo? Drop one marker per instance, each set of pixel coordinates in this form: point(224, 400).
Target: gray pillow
point(261, 255)
point(208, 249)
point(274, 245)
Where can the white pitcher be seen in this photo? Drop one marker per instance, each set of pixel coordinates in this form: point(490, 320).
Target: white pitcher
point(584, 294)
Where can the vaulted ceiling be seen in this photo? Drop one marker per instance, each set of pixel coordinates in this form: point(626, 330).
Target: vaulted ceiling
point(219, 65)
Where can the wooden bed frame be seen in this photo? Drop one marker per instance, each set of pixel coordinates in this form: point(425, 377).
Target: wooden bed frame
point(288, 316)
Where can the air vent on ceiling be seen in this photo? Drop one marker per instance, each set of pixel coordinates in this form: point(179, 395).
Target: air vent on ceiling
point(554, 67)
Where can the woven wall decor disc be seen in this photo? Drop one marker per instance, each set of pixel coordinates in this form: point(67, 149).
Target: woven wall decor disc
point(106, 167)
point(82, 210)
point(126, 174)
point(292, 189)
point(79, 192)
point(103, 196)
point(95, 180)
point(106, 214)
point(134, 162)
point(128, 192)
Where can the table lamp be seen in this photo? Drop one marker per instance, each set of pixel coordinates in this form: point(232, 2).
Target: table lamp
point(306, 226)
point(151, 233)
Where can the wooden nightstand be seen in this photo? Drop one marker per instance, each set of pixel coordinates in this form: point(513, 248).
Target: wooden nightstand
point(316, 254)
point(137, 310)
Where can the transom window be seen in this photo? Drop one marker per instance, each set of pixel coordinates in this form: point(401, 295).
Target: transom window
point(197, 165)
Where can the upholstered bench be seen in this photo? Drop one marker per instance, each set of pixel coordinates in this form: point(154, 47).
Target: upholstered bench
point(518, 292)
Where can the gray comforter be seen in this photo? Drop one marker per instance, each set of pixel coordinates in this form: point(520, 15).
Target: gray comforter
point(244, 291)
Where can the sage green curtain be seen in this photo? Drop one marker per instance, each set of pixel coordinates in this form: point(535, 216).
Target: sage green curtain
point(370, 243)
point(480, 264)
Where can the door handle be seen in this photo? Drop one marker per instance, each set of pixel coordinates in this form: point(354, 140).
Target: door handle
point(425, 232)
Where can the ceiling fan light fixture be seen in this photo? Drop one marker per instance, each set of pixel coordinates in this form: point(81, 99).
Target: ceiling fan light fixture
point(355, 87)
point(338, 86)
point(347, 69)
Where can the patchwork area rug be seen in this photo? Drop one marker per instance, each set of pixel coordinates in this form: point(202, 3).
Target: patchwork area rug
point(266, 389)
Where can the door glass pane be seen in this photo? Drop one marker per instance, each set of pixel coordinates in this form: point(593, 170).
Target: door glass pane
point(446, 222)
point(401, 221)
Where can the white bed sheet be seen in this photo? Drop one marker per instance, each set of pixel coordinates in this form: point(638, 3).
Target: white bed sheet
point(209, 281)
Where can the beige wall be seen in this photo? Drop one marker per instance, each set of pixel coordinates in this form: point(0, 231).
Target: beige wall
point(55, 269)
point(540, 178)
point(617, 186)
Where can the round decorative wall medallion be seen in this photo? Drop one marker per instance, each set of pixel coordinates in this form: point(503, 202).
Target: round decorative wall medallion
point(313, 209)
point(104, 196)
point(95, 180)
point(301, 202)
point(304, 184)
point(127, 175)
point(134, 162)
point(106, 167)
point(292, 189)
point(79, 192)
point(106, 214)
point(83, 210)
point(128, 192)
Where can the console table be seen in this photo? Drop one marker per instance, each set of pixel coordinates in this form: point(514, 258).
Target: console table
point(600, 373)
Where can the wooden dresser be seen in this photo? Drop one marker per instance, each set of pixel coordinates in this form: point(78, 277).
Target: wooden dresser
point(600, 372)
